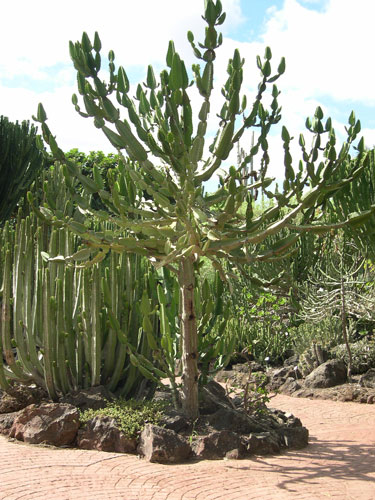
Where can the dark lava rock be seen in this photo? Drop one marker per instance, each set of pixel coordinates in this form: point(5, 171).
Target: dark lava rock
point(218, 445)
point(50, 423)
point(296, 437)
point(328, 374)
point(93, 397)
point(281, 375)
point(162, 445)
point(103, 434)
point(265, 443)
point(238, 421)
point(175, 420)
point(368, 379)
point(6, 422)
point(292, 360)
point(290, 386)
point(212, 398)
point(19, 396)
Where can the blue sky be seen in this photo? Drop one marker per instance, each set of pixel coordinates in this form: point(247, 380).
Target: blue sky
point(328, 46)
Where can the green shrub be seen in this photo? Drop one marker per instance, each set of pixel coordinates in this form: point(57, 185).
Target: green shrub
point(363, 355)
point(131, 416)
point(326, 333)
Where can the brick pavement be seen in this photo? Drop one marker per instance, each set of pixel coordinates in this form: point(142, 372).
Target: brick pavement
point(339, 463)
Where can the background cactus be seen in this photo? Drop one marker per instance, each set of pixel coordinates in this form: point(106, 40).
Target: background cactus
point(20, 161)
point(170, 219)
point(358, 197)
point(340, 290)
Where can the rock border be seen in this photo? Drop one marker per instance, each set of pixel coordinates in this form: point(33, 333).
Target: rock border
point(222, 431)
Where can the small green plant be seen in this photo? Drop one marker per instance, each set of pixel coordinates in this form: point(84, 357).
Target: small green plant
point(131, 415)
point(253, 392)
point(255, 395)
point(194, 432)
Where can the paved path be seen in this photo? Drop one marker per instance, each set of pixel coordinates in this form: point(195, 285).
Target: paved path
point(339, 463)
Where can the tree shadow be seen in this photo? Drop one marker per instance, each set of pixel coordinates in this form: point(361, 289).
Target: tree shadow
point(341, 460)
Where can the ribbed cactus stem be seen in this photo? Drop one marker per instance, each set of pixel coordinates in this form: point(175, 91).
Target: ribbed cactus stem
point(48, 338)
point(60, 344)
point(110, 346)
point(30, 294)
point(96, 343)
point(86, 313)
point(6, 349)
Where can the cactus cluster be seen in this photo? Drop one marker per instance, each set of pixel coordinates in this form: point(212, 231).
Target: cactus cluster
point(65, 326)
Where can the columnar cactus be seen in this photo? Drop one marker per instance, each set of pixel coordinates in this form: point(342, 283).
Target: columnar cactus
point(63, 326)
point(174, 222)
point(20, 161)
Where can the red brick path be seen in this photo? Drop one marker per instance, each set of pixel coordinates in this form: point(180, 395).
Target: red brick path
point(339, 463)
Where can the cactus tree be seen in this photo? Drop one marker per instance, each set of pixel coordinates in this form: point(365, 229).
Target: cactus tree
point(175, 223)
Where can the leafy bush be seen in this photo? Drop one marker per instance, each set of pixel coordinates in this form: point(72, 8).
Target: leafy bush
point(260, 327)
point(131, 415)
point(363, 354)
point(253, 392)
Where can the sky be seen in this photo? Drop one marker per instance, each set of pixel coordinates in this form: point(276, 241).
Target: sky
point(328, 46)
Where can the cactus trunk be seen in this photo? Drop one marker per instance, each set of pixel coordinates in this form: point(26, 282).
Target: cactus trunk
point(189, 339)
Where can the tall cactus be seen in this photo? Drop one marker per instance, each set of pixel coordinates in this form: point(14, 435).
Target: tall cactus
point(174, 222)
point(20, 161)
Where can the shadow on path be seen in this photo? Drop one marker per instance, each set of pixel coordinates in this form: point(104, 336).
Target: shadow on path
point(322, 460)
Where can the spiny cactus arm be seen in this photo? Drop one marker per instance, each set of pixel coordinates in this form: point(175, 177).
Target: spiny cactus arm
point(308, 200)
point(259, 117)
point(99, 106)
point(4, 373)
point(282, 248)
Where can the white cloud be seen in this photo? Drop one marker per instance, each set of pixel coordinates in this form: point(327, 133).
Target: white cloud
point(328, 53)
point(37, 35)
point(369, 135)
point(70, 129)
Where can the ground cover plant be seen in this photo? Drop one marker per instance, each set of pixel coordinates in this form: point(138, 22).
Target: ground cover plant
point(131, 416)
